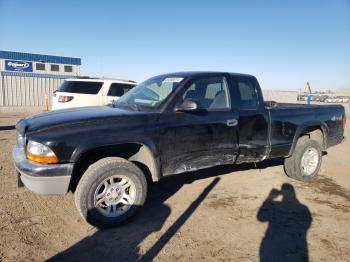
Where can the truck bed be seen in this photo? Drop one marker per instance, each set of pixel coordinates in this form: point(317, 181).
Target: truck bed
point(287, 119)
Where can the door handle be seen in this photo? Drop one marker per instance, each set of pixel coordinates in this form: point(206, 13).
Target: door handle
point(232, 122)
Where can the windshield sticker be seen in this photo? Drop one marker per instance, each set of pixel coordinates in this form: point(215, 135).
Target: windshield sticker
point(173, 79)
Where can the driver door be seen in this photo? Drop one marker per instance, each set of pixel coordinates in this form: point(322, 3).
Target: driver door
point(202, 138)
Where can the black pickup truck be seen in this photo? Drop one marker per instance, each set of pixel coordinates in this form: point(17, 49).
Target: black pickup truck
point(167, 125)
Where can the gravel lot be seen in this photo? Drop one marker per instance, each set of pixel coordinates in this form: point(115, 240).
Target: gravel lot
point(216, 214)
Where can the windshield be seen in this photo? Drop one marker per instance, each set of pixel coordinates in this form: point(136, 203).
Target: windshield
point(149, 95)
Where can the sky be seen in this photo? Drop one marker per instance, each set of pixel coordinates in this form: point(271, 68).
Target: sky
point(283, 43)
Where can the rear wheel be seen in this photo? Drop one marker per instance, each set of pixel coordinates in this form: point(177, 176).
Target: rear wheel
point(306, 160)
point(110, 192)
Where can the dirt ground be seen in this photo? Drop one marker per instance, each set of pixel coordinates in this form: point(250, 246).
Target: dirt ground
point(226, 213)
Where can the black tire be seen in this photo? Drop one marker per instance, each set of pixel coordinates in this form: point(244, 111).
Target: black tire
point(293, 166)
point(94, 176)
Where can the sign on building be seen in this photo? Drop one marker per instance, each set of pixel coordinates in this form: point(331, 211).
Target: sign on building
point(21, 66)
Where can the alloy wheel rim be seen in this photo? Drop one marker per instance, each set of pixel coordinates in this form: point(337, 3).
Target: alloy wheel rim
point(309, 161)
point(115, 195)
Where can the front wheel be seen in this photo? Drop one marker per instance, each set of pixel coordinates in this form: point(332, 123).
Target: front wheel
point(110, 191)
point(306, 160)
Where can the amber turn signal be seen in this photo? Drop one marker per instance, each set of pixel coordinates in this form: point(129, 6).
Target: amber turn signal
point(42, 159)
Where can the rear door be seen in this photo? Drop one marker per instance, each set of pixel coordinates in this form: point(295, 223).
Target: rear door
point(204, 138)
point(252, 121)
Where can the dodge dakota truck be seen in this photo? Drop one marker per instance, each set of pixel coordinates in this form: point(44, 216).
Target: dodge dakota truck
point(169, 124)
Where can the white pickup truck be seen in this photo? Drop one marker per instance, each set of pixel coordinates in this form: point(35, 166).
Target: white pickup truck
point(80, 92)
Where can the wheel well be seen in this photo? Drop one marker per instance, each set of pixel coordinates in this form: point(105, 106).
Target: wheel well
point(316, 133)
point(138, 154)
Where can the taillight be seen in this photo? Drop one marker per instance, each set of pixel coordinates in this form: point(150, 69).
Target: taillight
point(65, 99)
point(344, 120)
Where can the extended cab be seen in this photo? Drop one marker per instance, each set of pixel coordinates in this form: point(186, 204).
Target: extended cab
point(169, 124)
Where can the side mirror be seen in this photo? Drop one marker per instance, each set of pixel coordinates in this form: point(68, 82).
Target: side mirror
point(187, 106)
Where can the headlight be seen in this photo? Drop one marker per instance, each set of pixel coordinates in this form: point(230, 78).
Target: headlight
point(40, 153)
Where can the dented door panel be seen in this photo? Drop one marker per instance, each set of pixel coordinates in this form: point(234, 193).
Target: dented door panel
point(196, 140)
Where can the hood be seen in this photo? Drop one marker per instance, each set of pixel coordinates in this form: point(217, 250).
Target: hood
point(74, 116)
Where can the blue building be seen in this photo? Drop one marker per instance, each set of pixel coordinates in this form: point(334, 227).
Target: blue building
point(25, 79)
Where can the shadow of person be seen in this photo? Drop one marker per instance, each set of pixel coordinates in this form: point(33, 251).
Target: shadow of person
point(289, 220)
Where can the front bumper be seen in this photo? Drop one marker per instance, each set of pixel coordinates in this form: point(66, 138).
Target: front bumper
point(49, 179)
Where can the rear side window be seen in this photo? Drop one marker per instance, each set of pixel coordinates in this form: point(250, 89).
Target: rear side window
point(80, 87)
point(118, 89)
point(248, 95)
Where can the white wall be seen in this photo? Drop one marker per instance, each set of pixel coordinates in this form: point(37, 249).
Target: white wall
point(26, 91)
point(280, 96)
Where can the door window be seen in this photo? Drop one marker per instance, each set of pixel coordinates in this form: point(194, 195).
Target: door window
point(210, 93)
point(118, 89)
